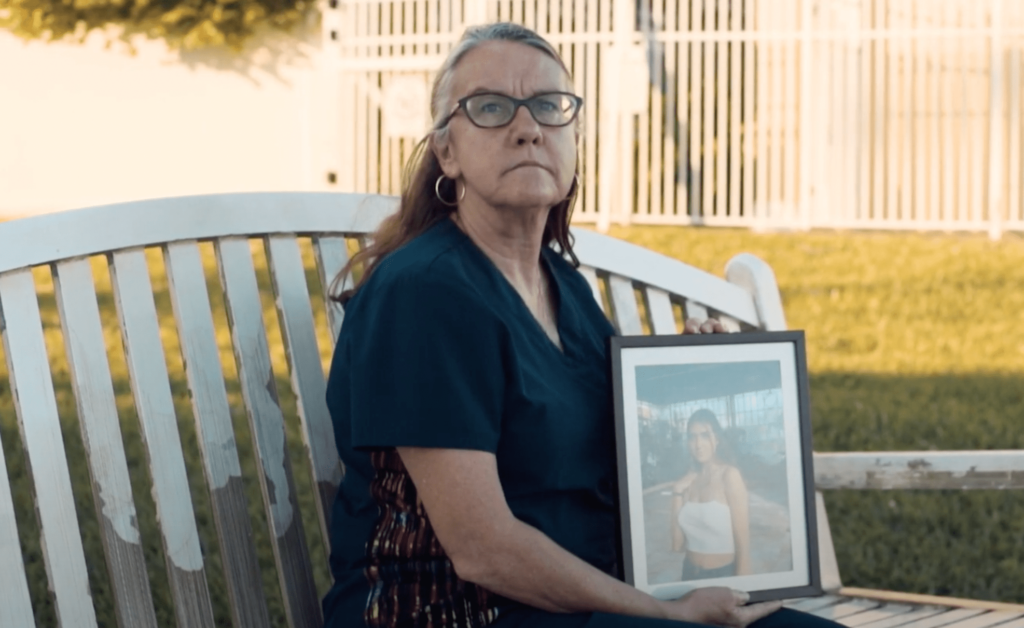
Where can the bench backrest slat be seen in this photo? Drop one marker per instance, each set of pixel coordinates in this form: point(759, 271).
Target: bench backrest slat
point(307, 372)
point(595, 285)
point(659, 308)
point(694, 309)
point(38, 420)
point(147, 369)
point(267, 425)
point(331, 256)
point(755, 276)
point(191, 304)
point(89, 367)
point(619, 258)
point(17, 607)
point(625, 313)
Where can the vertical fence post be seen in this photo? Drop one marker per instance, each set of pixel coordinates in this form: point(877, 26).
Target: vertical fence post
point(809, 130)
point(862, 113)
point(615, 166)
point(1013, 187)
point(624, 16)
point(996, 140)
point(326, 156)
point(474, 12)
point(608, 118)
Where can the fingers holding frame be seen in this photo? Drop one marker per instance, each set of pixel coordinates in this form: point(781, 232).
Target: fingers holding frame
point(695, 325)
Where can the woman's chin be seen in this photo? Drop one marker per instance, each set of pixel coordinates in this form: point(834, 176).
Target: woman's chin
point(528, 202)
point(532, 188)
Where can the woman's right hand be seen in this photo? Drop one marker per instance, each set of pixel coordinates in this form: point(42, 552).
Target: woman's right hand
point(704, 326)
point(719, 606)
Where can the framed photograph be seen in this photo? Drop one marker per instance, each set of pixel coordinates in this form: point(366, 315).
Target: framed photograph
point(716, 485)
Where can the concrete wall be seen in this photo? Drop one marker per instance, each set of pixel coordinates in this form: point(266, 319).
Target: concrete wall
point(82, 125)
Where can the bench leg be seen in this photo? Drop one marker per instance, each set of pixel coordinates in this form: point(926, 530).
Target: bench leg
point(830, 580)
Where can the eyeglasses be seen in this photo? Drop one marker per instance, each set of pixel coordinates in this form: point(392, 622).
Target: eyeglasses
point(489, 111)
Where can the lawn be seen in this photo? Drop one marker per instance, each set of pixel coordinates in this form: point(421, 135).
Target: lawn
point(914, 342)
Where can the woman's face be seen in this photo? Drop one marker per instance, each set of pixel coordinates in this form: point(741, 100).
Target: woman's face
point(521, 165)
point(702, 441)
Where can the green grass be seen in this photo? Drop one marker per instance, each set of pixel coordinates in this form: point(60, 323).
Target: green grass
point(914, 341)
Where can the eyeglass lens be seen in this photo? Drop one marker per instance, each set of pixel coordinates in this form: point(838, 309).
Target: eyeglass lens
point(491, 110)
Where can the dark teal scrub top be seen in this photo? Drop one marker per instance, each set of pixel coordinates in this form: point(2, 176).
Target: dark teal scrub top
point(438, 350)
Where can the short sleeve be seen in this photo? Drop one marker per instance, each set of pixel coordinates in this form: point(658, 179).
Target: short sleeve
point(427, 367)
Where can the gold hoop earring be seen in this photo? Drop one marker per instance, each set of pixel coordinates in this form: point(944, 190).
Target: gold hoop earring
point(437, 192)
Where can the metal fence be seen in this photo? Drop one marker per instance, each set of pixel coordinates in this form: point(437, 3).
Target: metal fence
point(894, 114)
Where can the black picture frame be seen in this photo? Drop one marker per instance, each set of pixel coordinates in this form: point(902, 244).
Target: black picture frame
point(681, 477)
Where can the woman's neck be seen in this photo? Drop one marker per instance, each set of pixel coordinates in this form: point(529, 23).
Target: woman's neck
point(513, 246)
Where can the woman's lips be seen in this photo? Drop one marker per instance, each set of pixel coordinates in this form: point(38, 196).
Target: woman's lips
point(525, 164)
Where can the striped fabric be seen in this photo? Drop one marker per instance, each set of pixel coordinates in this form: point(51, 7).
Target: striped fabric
point(412, 581)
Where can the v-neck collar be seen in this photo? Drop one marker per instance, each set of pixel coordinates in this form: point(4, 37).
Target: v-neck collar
point(557, 290)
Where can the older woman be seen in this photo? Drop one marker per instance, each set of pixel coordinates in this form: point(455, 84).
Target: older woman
point(710, 509)
point(469, 387)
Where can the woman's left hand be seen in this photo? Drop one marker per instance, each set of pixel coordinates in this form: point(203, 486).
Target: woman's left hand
point(704, 326)
point(720, 606)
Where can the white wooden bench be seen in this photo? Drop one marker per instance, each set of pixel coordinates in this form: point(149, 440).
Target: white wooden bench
point(75, 399)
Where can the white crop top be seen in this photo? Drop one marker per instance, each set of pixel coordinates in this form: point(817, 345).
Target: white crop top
point(708, 527)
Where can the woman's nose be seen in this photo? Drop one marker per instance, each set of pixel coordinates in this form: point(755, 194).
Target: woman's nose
point(525, 130)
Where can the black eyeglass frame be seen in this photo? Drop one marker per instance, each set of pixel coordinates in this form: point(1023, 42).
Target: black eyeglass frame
point(517, 103)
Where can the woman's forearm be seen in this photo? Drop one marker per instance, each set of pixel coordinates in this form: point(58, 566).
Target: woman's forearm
point(739, 505)
point(743, 564)
point(489, 546)
point(742, 540)
point(525, 565)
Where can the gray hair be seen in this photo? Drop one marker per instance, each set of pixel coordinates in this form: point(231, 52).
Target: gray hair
point(441, 95)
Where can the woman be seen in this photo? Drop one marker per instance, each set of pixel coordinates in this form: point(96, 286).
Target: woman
point(469, 385)
point(710, 511)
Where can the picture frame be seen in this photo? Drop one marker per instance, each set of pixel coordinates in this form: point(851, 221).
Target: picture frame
point(715, 459)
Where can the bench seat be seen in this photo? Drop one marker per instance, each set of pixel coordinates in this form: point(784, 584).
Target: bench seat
point(870, 608)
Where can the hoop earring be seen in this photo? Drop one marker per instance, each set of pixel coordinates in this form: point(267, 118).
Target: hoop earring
point(437, 192)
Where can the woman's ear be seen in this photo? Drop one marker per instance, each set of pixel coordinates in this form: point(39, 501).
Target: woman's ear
point(442, 149)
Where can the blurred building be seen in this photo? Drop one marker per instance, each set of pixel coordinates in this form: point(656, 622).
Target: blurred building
point(83, 125)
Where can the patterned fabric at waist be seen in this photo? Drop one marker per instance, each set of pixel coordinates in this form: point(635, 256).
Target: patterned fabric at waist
point(412, 581)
